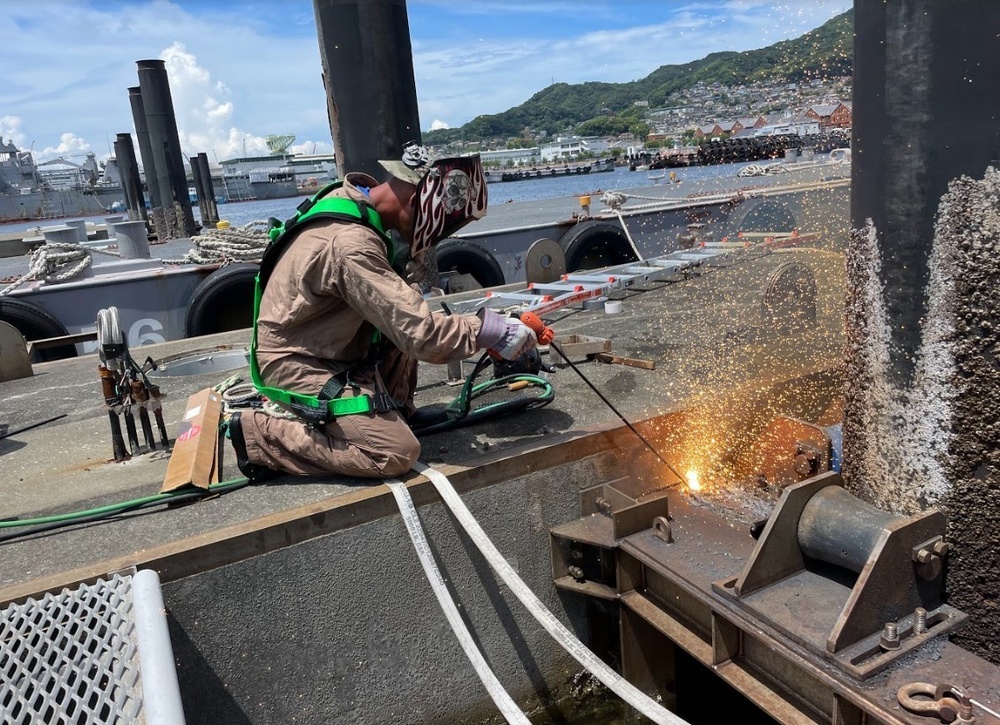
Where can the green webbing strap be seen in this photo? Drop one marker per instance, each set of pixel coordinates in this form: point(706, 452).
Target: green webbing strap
point(309, 407)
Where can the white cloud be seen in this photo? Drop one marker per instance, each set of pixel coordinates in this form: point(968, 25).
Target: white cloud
point(438, 124)
point(204, 109)
point(311, 147)
point(69, 145)
point(10, 130)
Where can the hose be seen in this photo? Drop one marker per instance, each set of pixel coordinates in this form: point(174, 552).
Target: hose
point(569, 641)
point(460, 412)
point(48, 523)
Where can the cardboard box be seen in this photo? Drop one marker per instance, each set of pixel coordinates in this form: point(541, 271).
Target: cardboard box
point(194, 458)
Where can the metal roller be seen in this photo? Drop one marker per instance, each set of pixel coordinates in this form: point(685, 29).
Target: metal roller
point(837, 527)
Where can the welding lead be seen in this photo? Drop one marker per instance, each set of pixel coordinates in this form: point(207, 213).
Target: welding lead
point(157, 407)
point(117, 442)
point(141, 395)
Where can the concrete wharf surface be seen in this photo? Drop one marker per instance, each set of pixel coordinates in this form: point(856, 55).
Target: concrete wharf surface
point(302, 600)
point(704, 334)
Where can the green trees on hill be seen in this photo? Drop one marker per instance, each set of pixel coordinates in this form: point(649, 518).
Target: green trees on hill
point(825, 52)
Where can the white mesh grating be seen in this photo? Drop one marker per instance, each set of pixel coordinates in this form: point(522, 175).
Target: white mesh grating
point(71, 657)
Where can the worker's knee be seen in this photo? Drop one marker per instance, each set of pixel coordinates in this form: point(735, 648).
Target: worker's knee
point(401, 460)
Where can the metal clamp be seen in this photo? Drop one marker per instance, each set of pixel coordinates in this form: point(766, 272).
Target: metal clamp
point(949, 703)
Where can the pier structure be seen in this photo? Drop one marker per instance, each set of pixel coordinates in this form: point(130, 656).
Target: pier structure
point(364, 47)
point(922, 392)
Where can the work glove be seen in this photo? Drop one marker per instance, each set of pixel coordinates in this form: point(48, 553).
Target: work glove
point(506, 337)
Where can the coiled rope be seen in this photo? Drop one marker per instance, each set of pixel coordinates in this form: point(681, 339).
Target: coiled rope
point(232, 244)
point(57, 262)
point(762, 169)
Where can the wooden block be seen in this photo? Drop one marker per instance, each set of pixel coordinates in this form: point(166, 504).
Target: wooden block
point(619, 360)
point(580, 345)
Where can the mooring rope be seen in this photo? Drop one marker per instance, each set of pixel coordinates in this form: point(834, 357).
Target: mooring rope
point(590, 661)
point(508, 708)
point(57, 262)
point(232, 244)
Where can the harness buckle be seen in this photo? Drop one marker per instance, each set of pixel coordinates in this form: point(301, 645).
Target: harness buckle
point(383, 403)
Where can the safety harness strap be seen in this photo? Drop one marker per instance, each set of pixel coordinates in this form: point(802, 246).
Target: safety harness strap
point(321, 409)
point(315, 410)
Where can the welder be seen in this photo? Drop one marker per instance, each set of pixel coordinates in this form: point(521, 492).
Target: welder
point(338, 330)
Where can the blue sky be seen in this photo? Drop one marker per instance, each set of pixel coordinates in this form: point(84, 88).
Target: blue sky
point(242, 70)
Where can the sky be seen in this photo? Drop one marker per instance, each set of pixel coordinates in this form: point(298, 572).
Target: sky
point(240, 71)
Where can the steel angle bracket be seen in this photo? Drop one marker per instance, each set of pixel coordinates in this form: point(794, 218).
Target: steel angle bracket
point(584, 552)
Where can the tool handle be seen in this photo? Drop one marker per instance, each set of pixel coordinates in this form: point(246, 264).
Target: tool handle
point(544, 334)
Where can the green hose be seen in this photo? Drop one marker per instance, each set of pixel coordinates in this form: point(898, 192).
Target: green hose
point(114, 508)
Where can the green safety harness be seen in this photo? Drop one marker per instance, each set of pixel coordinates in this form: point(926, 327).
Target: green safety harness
point(475, 401)
point(327, 405)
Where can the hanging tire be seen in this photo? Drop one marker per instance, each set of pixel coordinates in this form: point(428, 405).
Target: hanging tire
point(458, 255)
point(36, 324)
point(594, 244)
point(223, 301)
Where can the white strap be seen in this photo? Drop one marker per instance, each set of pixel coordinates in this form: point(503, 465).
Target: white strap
point(591, 662)
point(508, 708)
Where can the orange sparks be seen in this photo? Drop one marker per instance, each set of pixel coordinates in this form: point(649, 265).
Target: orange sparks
point(692, 480)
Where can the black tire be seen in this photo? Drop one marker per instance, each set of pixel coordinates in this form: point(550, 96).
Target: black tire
point(594, 244)
point(769, 216)
point(223, 301)
point(35, 324)
point(457, 255)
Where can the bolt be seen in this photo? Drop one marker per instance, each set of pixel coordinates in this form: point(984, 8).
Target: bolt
point(920, 621)
point(575, 572)
point(941, 548)
point(890, 637)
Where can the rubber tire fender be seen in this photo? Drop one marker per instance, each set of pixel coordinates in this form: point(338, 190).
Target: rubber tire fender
point(465, 257)
point(593, 244)
point(222, 301)
point(36, 324)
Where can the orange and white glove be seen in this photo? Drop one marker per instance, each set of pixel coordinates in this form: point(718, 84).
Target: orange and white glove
point(506, 337)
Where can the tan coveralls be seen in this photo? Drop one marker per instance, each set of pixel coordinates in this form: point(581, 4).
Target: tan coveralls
point(330, 289)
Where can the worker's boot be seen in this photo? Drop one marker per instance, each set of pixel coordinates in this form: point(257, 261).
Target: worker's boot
point(254, 472)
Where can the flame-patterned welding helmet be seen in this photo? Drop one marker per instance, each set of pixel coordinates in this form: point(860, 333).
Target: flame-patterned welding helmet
point(449, 196)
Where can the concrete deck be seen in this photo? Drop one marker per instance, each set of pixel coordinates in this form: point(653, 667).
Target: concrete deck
point(302, 599)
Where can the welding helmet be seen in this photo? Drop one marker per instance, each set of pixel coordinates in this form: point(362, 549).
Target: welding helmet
point(450, 195)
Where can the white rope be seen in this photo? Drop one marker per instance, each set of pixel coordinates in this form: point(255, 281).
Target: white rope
point(763, 169)
point(508, 708)
point(628, 236)
point(236, 244)
point(593, 664)
point(56, 262)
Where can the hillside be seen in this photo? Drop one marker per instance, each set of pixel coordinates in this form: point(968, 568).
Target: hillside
point(825, 52)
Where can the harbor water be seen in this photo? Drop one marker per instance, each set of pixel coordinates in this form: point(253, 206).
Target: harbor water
point(243, 212)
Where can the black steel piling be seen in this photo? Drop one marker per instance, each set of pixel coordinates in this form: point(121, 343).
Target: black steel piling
point(372, 114)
